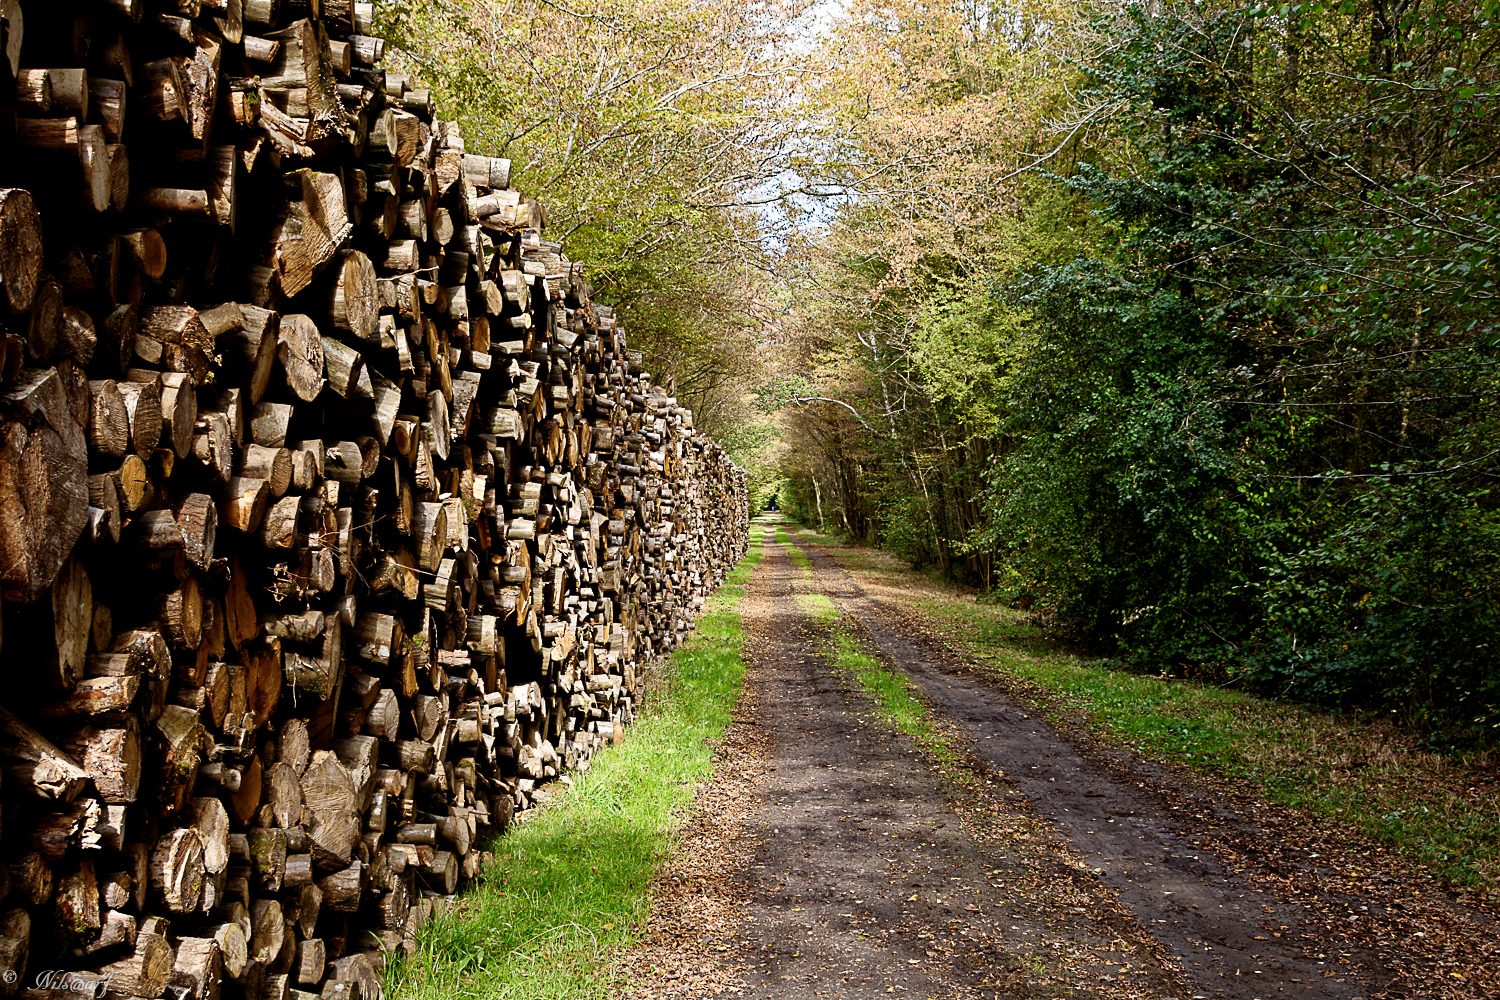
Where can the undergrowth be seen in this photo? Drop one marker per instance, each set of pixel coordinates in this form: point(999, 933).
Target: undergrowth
point(570, 887)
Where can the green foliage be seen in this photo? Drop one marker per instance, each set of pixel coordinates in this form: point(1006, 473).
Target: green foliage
point(1216, 394)
point(964, 343)
point(1255, 420)
point(751, 444)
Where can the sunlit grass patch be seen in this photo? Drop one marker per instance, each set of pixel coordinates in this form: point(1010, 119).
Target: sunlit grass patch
point(570, 888)
point(796, 555)
point(819, 538)
point(818, 607)
point(896, 702)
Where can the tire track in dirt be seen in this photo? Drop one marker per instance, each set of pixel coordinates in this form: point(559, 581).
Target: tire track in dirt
point(1238, 932)
point(852, 875)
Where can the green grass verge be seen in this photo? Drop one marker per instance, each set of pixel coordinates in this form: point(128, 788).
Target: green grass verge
point(570, 887)
point(1443, 810)
point(1369, 777)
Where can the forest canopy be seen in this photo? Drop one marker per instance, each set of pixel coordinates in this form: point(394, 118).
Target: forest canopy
point(1174, 323)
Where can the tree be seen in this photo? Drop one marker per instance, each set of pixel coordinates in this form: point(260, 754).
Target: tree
point(929, 118)
point(1257, 433)
point(1204, 317)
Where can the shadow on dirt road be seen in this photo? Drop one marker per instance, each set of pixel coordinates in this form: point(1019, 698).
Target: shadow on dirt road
point(1032, 867)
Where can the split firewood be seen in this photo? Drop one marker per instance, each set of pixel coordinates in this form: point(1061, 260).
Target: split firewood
point(458, 519)
point(198, 967)
point(177, 870)
point(330, 800)
point(43, 483)
point(36, 765)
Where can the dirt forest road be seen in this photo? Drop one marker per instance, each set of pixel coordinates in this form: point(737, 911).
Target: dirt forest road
point(834, 858)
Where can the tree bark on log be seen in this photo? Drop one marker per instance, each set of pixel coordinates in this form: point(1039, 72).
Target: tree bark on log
point(20, 248)
point(35, 764)
point(111, 756)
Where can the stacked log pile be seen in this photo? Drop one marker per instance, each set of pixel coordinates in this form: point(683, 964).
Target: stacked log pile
point(336, 519)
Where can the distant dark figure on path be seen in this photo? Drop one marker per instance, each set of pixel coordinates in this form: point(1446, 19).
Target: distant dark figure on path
point(772, 505)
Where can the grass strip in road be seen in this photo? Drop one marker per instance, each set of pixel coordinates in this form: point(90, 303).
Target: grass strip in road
point(570, 887)
point(896, 702)
point(797, 556)
point(1370, 775)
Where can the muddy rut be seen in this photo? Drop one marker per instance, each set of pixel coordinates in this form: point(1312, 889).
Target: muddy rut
point(1025, 864)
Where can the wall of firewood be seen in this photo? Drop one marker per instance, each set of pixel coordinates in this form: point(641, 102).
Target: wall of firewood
point(336, 519)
